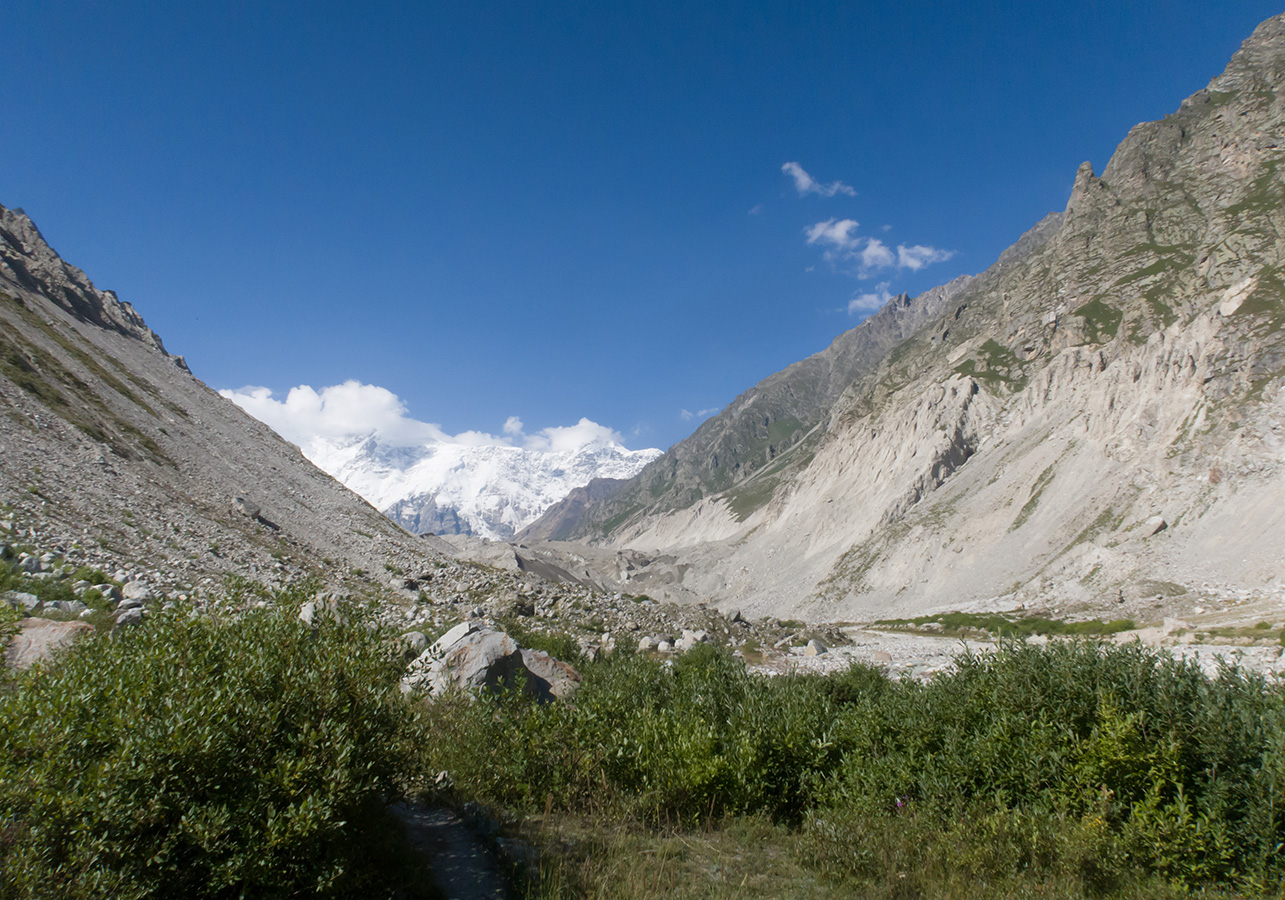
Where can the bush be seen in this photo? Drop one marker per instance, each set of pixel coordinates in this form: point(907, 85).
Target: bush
point(698, 738)
point(1112, 746)
point(206, 757)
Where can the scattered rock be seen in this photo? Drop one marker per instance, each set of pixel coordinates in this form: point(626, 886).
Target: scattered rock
point(549, 677)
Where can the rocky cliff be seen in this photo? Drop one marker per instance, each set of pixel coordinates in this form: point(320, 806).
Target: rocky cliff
point(1094, 418)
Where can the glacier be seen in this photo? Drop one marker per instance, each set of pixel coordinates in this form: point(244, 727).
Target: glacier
point(450, 488)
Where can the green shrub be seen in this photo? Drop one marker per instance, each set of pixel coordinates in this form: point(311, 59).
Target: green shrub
point(198, 756)
point(1182, 774)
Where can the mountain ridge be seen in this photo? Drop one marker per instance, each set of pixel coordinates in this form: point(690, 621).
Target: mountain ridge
point(1138, 334)
point(491, 491)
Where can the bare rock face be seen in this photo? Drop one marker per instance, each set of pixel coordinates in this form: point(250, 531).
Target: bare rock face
point(1104, 405)
point(38, 640)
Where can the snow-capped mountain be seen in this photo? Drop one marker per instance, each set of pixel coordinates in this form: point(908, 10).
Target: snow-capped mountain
point(488, 491)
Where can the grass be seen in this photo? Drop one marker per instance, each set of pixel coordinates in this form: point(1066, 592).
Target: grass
point(39, 374)
point(958, 624)
point(998, 366)
point(1101, 321)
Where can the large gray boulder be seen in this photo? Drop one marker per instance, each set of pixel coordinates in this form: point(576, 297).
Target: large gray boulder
point(470, 658)
point(137, 590)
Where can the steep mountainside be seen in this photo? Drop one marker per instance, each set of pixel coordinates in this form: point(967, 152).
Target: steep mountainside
point(491, 492)
point(780, 413)
point(1096, 417)
point(109, 442)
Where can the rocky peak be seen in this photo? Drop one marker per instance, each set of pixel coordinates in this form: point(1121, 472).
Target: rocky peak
point(27, 260)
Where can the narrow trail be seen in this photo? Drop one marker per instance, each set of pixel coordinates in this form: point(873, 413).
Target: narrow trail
point(463, 867)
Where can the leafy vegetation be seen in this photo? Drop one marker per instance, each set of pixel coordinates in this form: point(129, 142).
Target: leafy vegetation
point(958, 624)
point(995, 365)
point(255, 756)
point(1033, 500)
point(208, 757)
point(1077, 769)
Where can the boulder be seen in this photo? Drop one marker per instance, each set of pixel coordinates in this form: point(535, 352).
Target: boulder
point(137, 590)
point(129, 618)
point(548, 677)
point(38, 639)
point(479, 658)
point(471, 658)
point(415, 641)
point(814, 648)
point(110, 592)
point(1154, 525)
point(22, 600)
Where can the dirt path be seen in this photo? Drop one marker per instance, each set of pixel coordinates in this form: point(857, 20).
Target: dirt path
point(463, 868)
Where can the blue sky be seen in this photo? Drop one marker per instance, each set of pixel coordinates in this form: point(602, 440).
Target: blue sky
point(559, 211)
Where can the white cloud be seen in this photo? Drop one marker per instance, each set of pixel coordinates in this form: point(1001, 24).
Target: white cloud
point(806, 184)
point(687, 415)
point(864, 256)
point(876, 256)
point(918, 256)
point(871, 301)
point(836, 232)
point(335, 412)
point(571, 437)
point(352, 408)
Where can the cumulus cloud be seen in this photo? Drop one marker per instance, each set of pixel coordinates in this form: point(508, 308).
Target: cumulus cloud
point(864, 256)
point(837, 233)
point(875, 255)
point(872, 301)
point(806, 184)
point(352, 409)
point(571, 437)
point(918, 256)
